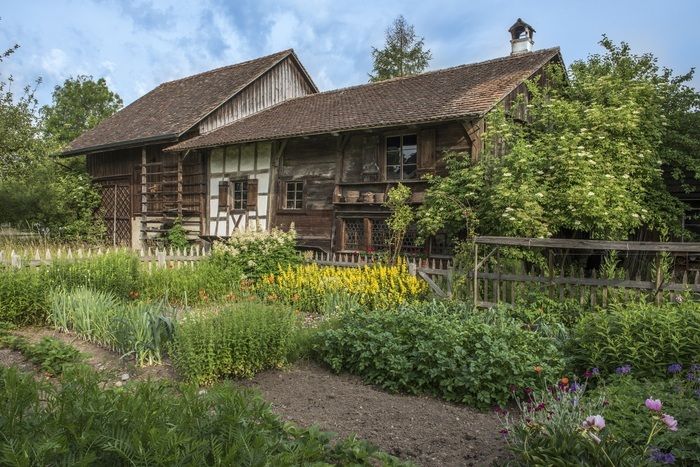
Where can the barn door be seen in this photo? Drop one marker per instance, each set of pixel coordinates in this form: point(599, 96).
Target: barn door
point(116, 208)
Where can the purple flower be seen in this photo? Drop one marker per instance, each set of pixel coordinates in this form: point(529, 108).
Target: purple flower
point(624, 369)
point(588, 374)
point(574, 387)
point(697, 393)
point(504, 433)
point(653, 404)
point(595, 371)
point(695, 367)
point(662, 457)
point(596, 422)
point(670, 422)
point(675, 368)
point(690, 376)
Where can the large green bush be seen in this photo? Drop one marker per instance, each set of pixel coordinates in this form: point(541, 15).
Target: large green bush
point(239, 340)
point(443, 350)
point(78, 421)
point(647, 337)
point(23, 295)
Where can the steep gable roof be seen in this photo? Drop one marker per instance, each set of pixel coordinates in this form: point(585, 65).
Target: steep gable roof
point(448, 94)
point(174, 107)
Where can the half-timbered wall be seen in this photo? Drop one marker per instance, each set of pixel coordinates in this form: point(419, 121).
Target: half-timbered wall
point(284, 81)
point(230, 164)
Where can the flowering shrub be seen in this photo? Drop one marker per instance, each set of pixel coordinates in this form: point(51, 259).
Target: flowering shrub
point(647, 337)
point(560, 423)
point(255, 253)
point(439, 349)
point(307, 287)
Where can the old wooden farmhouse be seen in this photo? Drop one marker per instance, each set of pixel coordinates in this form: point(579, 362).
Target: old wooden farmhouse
point(256, 142)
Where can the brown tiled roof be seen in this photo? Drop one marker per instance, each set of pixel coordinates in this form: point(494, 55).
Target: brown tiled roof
point(452, 93)
point(174, 107)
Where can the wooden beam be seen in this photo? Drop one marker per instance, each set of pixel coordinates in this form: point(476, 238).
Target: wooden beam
point(144, 198)
point(474, 129)
point(574, 244)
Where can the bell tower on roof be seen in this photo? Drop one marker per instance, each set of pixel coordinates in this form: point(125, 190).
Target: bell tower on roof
point(521, 37)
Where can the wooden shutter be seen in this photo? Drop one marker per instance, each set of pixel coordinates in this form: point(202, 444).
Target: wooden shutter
point(223, 195)
point(339, 239)
point(426, 150)
point(252, 193)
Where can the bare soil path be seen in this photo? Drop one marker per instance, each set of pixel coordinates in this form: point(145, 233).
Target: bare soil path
point(424, 430)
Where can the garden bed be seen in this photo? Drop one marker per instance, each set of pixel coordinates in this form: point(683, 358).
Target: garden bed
point(424, 430)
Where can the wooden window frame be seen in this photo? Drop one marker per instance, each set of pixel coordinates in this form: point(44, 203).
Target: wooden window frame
point(385, 148)
point(244, 195)
point(301, 193)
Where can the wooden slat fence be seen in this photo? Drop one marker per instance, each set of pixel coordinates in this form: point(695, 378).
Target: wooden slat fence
point(154, 258)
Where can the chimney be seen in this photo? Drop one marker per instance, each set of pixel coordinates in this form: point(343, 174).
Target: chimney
point(521, 35)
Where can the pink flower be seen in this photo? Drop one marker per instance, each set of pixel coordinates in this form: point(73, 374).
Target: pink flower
point(594, 421)
point(670, 422)
point(653, 404)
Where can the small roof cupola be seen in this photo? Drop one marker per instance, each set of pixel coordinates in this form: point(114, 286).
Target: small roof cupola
point(521, 35)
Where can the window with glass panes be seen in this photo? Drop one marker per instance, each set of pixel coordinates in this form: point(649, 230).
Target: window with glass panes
point(401, 157)
point(295, 195)
point(240, 194)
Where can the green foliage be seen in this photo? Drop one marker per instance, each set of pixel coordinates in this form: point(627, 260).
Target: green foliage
point(78, 105)
point(645, 336)
point(439, 349)
point(78, 421)
point(177, 235)
point(115, 272)
point(140, 330)
point(205, 282)
point(401, 218)
point(49, 354)
point(237, 341)
point(23, 295)
point(628, 418)
point(402, 54)
point(256, 253)
point(590, 160)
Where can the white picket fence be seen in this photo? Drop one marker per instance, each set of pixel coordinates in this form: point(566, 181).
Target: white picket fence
point(159, 258)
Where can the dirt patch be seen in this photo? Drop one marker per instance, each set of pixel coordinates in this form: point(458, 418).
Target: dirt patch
point(103, 359)
point(12, 358)
point(424, 430)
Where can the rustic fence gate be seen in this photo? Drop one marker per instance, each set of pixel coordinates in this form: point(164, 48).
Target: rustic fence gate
point(116, 209)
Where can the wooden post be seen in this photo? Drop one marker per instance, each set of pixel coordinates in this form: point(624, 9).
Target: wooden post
point(179, 184)
point(144, 198)
point(550, 272)
point(476, 274)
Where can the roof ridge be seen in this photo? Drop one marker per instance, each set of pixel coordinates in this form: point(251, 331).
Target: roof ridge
point(226, 67)
point(441, 70)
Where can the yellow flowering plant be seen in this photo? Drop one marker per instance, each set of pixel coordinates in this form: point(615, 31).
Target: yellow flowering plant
point(374, 286)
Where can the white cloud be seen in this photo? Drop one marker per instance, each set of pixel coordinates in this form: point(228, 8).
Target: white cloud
point(54, 62)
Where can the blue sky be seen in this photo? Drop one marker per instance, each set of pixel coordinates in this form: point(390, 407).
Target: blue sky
point(137, 44)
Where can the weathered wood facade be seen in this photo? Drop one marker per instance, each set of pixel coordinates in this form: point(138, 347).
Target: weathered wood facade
point(145, 189)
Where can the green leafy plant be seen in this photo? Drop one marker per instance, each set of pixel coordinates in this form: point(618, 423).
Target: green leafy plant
point(236, 341)
point(114, 272)
point(78, 420)
point(647, 337)
point(23, 295)
point(177, 235)
point(439, 349)
point(49, 354)
point(401, 217)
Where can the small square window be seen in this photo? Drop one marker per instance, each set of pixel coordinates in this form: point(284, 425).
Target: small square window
point(294, 198)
